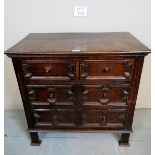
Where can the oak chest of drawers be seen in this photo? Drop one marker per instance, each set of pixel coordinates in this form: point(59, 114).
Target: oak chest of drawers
point(79, 81)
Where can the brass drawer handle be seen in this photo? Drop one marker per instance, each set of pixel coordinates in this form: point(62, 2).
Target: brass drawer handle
point(105, 70)
point(47, 69)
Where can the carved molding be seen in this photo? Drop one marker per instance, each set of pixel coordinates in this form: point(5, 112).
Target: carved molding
point(83, 70)
point(80, 118)
point(51, 100)
point(104, 89)
point(102, 120)
point(31, 94)
point(27, 73)
point(79, 94)
point(129, 65)
point(36, 118)
point(125, 93)
point(129, 69)
point(121, 117)
point(70, 71)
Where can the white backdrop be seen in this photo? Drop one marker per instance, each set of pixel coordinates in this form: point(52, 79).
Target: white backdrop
point(29, 16)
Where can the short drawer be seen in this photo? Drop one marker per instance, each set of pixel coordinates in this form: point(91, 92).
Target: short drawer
point(80, 118)
point(106, 69)
point(48, 70)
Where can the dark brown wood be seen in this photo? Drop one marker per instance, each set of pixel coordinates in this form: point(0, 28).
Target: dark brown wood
point(63, 88)
point(35, 139)
point(30, 119)
point(124, 141)
point(71, 43)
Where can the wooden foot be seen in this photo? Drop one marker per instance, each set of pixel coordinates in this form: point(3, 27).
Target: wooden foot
point(36, 144)
point(124, 141)
point(35, 141)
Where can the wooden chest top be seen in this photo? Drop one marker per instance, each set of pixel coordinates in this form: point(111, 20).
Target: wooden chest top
point(78, 43)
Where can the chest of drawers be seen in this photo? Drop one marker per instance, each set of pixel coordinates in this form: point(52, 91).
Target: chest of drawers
point(79, 81)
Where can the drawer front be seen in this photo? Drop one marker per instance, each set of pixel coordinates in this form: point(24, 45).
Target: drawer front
point(78, 95)
point(54, 118)
point(109, 118)
point(48, 70)
point(80, 118)
point(113, 95)
point(106, 69)
point(50, 95)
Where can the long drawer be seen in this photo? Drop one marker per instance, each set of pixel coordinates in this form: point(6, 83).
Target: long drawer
point(47, 96)
point(69, 118)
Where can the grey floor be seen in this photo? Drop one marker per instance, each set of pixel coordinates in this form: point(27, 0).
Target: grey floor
point(17, 140)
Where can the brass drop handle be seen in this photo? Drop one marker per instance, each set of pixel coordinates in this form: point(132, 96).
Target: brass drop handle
point(47, 69)
point(106, 69)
